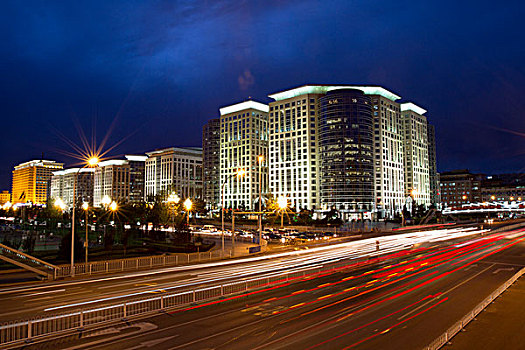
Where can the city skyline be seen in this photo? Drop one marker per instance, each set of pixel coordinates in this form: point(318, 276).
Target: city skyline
point(161, 80)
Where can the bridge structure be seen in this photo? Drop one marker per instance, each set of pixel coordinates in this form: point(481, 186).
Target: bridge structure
point(28, 262)
point(487, 207)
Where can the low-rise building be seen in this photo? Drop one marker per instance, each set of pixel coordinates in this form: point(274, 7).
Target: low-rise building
point(63, 181)
point(119, 179)
point(174, 170)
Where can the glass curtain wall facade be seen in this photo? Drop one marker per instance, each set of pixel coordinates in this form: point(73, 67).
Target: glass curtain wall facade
point(211, 148)
point(346, 145)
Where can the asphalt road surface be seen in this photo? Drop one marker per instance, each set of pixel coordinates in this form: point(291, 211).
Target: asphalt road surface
point(401, 302)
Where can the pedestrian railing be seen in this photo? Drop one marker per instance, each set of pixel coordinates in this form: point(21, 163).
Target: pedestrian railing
point(12, 333)
point(458, 326)
point(138, 263)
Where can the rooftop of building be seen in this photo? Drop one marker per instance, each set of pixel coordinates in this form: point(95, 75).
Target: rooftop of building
point(242, 106)
point(73, 171)
point(323, 89)
point(39, 162)
point(191, 150)
point(409, 106)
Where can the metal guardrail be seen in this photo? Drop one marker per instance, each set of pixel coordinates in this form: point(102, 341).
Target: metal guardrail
point(458, 326)
point(15, 332)
point(129, 264)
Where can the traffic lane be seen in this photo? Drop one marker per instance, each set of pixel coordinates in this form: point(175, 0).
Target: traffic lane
point(231, 322)
point(417, 326)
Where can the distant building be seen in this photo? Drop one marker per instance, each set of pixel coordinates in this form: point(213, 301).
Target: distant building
point(460, 187)
point(211, 149)
point(244, 137)
point(503, 188)
point(31, 179)
point(416, 158)
point(120, 179)
point(62, 183)
point(5, 197)
point(174, 169)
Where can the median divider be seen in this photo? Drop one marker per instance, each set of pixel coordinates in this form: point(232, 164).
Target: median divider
point(444, 338)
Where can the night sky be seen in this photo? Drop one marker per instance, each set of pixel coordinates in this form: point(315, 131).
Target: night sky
point(157, 71)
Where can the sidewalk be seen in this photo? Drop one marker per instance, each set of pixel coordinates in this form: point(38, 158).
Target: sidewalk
point(500, 326)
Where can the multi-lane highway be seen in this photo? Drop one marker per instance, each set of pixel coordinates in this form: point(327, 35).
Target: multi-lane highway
point(403, 298)
point(27, 301)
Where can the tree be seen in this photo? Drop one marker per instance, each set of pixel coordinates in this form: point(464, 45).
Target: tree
point(64, 250)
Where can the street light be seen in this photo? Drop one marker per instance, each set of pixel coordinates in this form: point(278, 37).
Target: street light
point(282, 202)
point(239, 173)
point(188, 205)
point(172, 200)
point(59, 203)
point(90, 163)
point(105, 201)
point(85, 206)
point(260, 159)
point(113, 206)
point(7, 205)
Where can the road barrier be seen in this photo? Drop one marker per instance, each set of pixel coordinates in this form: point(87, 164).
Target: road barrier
point(13, 333)
point(144, 262)
point(458, 326)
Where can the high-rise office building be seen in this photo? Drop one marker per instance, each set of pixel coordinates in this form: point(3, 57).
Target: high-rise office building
point(346, 148)
point(417, 169)
point(174, 170)
point(211, 149)
point(31, 180)
point(388, 155)
point(120, 180)
point(294, 146)
point(63, 181)
point(244, 137)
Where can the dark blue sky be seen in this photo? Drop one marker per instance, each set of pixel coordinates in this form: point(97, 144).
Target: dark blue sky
point(163, 68)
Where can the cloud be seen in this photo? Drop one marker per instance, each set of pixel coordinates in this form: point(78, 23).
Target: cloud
point(246, 80)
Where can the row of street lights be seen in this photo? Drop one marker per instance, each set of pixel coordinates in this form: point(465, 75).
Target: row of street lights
point(108, 204)
point(282, 202)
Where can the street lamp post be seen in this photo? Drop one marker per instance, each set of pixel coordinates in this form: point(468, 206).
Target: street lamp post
point(85, 206)
point(260, 159)
point(188, 205)
point(282, 203)
point(173, 199)
point(91, 163)
point(238, 173)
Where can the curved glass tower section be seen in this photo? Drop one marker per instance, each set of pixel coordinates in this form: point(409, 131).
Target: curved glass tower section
point(346, 143)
